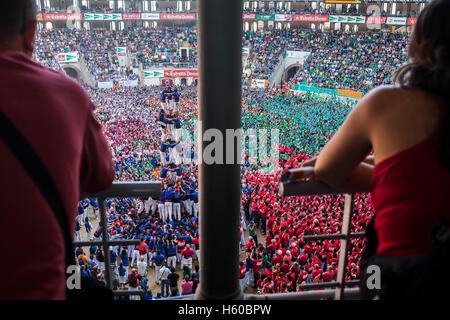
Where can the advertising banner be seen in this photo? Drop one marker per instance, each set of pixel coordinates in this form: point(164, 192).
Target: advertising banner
point(122, 56)
point(150, 16)
point(102, 16)
point(245, 51)
point(348, 19)
point(350, 93)
point(249, 16)
point(376, 20)
point(153, 74)
point(130, 83)
point(283, 17)
point(411, 21)
point(93, 16)
point(259, 83)
point(131, 16)
point(122, 51)
point(310, 18)
point(303, 55)
point(62, 16)
point(177, 16)
point(265, 17)
point(105, 85)
point(344, 1)
point(180, 73)
point(396, 21)
point(113, 16)
point(39, 17)
point(68, 57)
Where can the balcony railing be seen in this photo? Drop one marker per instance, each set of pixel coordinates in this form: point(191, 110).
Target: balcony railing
point(292, 185)
point(119, 190)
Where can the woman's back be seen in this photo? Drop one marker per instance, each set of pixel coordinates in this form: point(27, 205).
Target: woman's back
point(409, 185)
point(399, 118)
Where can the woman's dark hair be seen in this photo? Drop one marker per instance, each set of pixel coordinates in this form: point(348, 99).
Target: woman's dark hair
point(429, 65)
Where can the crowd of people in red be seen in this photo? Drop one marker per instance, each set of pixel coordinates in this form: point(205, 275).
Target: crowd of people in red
point(282, 261)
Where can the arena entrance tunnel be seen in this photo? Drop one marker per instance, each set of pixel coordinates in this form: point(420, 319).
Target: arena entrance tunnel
point(72, 72)
point(290, 72)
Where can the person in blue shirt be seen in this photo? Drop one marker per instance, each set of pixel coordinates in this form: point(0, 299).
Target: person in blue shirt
point(163, 172)
point(158, 259)
point(177, 122)
point(124, 258)
point(194, 198)
point(177, 204)
point(149, 295)
point(113, 258)
point(186, 199)
point(169, 98)
point(123, 275)
point(77, 230)
point(169, 194)
point(163, 97)
point(171, 254)
point(176, 99)
point(165, 148)
point(88, 227)
point(161, 206)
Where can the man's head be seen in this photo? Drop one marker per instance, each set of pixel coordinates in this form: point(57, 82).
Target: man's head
point(18, 25)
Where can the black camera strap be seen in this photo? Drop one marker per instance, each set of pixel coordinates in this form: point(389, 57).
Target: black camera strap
point(30, 161)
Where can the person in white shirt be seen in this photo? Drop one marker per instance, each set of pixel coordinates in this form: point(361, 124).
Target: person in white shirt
point(142, 267)
point(163, 276)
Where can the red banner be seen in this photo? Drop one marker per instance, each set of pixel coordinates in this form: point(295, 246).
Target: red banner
point(412, 21)
point(177, 16)
point(376, 20)
point(63, 16)
point(181, 73)
point(131, 16)
point(249, 16)
point(310, 18)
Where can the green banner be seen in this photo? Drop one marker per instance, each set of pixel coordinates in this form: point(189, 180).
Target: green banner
point(265, 17)
point(153, 74)
point(347, 19)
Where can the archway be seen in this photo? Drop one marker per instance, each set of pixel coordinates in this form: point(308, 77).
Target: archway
point(71, 72)
point(290, 72)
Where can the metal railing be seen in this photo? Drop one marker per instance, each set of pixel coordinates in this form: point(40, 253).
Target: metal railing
point(119, 190)
point(289, 186)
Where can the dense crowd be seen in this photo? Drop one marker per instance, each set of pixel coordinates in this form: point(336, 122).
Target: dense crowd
point(358, 61)
point(98, 48)
point(135, 130)
point(144, 125)
point(338, 60)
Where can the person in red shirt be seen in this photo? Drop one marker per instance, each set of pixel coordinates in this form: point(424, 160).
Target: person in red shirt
point(303, 258)
point(328, 275)
point(56, 116)
point(303, 276)
point(242, 273)
point(143, 250)
point(186, 256)
point(249, 245)
point(278, 257)
point(316, 271)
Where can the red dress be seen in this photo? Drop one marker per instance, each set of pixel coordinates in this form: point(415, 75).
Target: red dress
point(410, 193)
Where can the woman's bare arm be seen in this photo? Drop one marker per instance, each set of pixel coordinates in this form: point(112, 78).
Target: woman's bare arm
point(342, 163)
